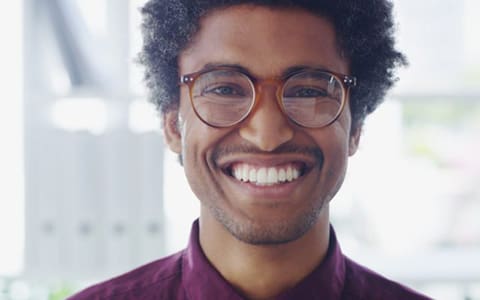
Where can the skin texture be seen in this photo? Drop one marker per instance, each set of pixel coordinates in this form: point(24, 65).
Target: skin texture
point(253, 235)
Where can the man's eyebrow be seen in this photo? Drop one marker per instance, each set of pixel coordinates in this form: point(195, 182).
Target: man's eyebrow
point(298, 68)
point(242, 69)
point(295, 69)
point(235, 67)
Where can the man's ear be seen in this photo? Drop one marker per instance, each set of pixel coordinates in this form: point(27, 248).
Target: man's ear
point(171, 131)
point(354, 140)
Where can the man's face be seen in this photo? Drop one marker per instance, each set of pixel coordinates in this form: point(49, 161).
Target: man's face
point(266, 42)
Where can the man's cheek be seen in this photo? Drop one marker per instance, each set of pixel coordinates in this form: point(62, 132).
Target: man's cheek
point(336, 166)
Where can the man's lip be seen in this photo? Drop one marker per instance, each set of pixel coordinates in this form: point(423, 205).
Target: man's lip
point(267, 160)
point(304, 163)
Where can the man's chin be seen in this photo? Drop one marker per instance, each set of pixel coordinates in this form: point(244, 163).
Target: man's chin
point(269, 232)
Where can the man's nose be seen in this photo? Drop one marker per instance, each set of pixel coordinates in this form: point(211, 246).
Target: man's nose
point(266, 126)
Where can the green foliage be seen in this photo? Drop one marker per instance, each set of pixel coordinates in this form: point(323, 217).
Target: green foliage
point(60, 293)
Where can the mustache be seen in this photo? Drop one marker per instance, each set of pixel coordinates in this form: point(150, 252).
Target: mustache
point(288, 148)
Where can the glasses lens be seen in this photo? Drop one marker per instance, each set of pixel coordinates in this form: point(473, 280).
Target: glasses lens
point(313, 99)
point(222, 97)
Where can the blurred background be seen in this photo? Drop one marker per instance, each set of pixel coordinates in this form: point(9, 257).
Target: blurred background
point(87, 189)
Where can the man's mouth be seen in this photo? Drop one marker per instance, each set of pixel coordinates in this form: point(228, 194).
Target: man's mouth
point(266, 175)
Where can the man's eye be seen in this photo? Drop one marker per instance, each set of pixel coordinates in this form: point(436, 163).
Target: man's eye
point(224, 90)
point(307, 92)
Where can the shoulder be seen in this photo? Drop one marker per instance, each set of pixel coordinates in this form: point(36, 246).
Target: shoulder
point(363, 283)
point(160, 279)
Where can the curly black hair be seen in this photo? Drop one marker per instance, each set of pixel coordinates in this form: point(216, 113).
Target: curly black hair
point(364, 30)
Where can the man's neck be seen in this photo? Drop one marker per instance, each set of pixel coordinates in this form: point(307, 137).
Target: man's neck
point(262, 272)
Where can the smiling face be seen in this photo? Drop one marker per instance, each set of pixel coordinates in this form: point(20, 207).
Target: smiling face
point(266, 180)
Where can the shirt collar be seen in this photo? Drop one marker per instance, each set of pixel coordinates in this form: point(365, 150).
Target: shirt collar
point(202, 281)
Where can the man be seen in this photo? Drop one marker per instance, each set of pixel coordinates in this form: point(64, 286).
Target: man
point(264, 102)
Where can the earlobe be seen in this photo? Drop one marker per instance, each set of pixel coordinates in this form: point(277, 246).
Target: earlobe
point(354, 141)
point(172, 132)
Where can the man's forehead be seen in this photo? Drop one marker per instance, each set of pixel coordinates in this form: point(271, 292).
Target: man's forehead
point(257, 36)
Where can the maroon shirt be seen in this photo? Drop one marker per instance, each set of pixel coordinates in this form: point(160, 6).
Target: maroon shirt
point(189, 275)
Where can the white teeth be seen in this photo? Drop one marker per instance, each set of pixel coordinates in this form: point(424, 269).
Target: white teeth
point(245, 174)
point(295, 174)
point(252, 175)
point(237, 173)
point(265, 176)
point(282, 176)
point(272, 176)
point(288, 174)
point(262, 176)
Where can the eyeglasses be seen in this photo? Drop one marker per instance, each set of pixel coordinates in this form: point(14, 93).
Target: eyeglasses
point(224, 97)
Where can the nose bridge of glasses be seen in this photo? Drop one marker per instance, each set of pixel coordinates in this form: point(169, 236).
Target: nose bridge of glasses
point(262, 83)
point(262, 86)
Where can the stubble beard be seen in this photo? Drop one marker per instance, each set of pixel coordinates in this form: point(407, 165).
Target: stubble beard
point(268, 232)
